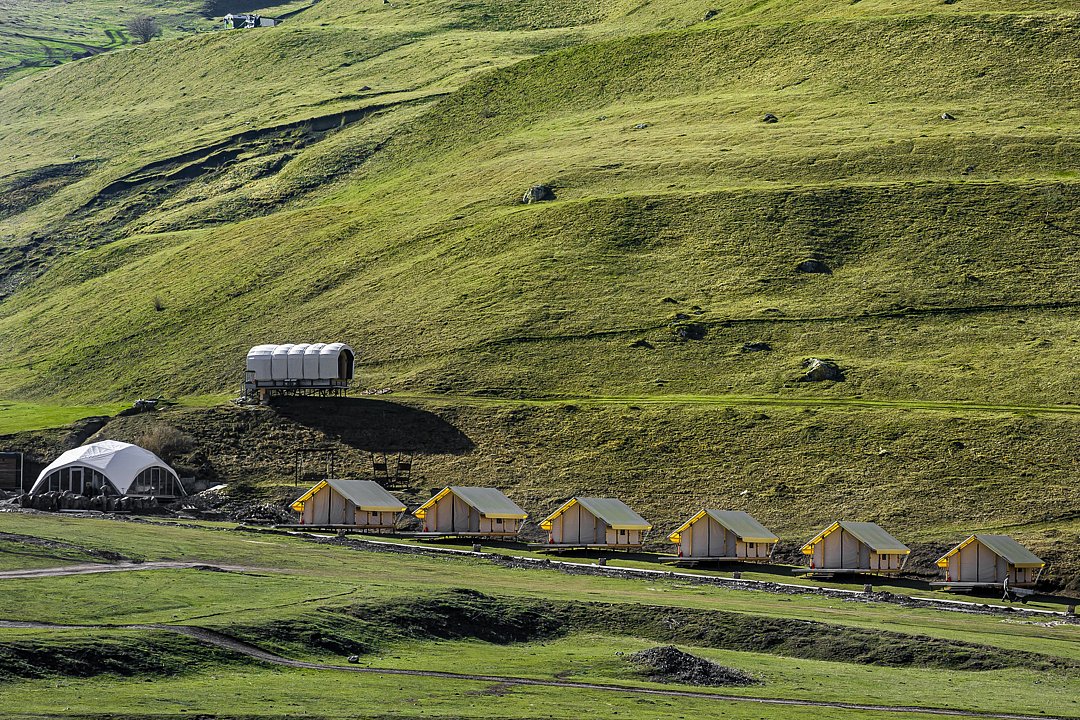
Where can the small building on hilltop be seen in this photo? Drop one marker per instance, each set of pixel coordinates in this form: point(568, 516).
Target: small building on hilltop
point(247, 21)
point(988, 561)
point(349, 504)
point(300, 369)
point(854, 547)
point(470, 512)
point(723, 535)
point(586, 522)
point(110, 467)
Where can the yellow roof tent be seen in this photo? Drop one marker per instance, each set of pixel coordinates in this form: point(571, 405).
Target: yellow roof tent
point(614, 513)
point(365, 494)
point(1001, 545)
point(489, 502)
point(869, 533)
point(742, 524)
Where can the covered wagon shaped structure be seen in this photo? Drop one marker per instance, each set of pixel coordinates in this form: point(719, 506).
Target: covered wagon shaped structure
point(984, 561)
point(588, 522)
point(109, 467)
point(362, 505)
point(717, 535)
point(470, 512)
point(854, 548)
point(302, 369)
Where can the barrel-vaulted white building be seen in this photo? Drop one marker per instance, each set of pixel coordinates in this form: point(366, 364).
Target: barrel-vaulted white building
point(109, 467)
point(299, 369)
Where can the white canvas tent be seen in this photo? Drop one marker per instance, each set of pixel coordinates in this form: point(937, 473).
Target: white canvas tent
point(854, 547)
point(588, 522)
point(110, 467)
point(723, 535)
point(470, 512)
point(989, 561)
point(299, 368)
point(355, 504)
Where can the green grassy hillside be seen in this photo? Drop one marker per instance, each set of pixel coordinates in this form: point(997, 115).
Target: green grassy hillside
point(40, 34)
point(36, 34)
point(356, 174)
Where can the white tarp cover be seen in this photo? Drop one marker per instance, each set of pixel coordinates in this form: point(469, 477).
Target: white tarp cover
point(120, 462)
point(304, 361)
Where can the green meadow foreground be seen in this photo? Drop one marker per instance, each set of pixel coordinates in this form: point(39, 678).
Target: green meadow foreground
point(320, 603)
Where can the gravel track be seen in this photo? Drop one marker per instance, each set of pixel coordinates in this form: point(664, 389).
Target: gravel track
point(92, 568)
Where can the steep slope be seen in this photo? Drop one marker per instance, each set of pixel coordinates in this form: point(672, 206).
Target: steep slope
point(942, 235)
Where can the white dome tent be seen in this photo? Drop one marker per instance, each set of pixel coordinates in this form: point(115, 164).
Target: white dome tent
point(299, 369)
point(111, 468)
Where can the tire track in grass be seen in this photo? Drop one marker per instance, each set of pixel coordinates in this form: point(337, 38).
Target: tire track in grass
point(227, 642)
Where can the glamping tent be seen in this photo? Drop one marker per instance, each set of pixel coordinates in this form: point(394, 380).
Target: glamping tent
point(595, 522)
point(723, 535)
point(470, 511)
point(356, 504)
point(304, 369)
point(109, 467)
point(988, 561)
point(854, 547)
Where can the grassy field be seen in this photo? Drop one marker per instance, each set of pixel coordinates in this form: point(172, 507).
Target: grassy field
point(18, 416)
point(319, 603)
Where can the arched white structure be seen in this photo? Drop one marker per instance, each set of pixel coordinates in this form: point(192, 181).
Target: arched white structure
point(112, 468)
point(299, 368)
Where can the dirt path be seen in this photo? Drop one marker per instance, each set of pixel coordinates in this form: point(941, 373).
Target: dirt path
point(227, 642)
point(91, 568)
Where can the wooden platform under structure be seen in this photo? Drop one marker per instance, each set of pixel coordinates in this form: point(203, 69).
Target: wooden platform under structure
point(376, 530)
point(684, 560)
point(559, 547)
point(832, 572)
point(458, 534)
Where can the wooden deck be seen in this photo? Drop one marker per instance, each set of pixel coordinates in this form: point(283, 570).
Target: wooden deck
point(831, 572)
point(558, 547)
point(690, 559)
point(381, 529)
point(970, 586)
point(452, 535)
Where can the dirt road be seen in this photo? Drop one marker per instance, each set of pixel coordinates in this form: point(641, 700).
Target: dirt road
point(90, 568)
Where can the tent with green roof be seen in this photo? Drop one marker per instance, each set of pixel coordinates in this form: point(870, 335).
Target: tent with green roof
point(470, 512)
point(855, 547)
point(989, 560)
point(586, 522)
point(349, 504)
point(723, 535)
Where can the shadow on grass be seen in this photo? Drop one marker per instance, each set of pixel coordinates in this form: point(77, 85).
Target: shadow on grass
point(376, 425)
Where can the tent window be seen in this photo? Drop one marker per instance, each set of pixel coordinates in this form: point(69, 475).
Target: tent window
point(155, 481)
point(80, 480)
